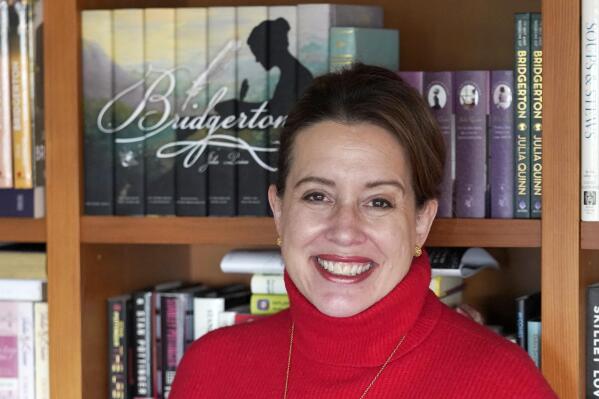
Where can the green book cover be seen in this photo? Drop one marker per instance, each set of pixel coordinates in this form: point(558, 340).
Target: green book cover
point(370, 46)
point(191, 98)
point(159, 51)
point(96, 64)
point(265, 304)
point(522, 116)
point(128, 93)
point(536, 124)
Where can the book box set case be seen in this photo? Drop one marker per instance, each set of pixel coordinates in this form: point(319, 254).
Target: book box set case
point(92, 258)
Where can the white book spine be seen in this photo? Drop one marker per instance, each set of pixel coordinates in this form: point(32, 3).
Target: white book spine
point(589, 140)
point(22, 290)
point(268, 284)
point(26, 351)
point(42, 361)
point(265, 262)
point(206, 313)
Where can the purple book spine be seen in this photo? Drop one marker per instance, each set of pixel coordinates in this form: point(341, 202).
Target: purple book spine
point(413, 78)
point(501, 145)
point(471, 90)
point(438, 89)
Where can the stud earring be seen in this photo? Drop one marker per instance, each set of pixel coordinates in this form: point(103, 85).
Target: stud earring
point(279, 241)
point(417, 251)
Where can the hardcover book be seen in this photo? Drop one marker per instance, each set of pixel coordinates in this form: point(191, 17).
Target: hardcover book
point(268, 284)
point(266, 304)
point(191, 99)
point(438, 93)
point(522, 116)
point(19, 26)
point(314, 24)
point(119, 347)
point(42, 358)
point(222, 88)
point(97, 71)
point(284, 71)
point(27, 203)
point(527, 308)
point(128, 94)
point(592, 341)
point(6, 169)
point(501, 145)
point(414, 78)
point(589, 92)
point(252, 93)
point(159, 66)
point(36, 54)
point(536, 123)
point(17, 372)
point(471, 108)
point(371, 46)
point(173, 319)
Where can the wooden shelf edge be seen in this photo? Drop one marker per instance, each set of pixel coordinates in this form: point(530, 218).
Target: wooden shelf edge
point(589, 235)
point(22, 230)
point(251, 231)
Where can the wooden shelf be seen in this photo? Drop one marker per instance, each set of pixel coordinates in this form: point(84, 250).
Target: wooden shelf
point(251, 231)
point(589, 235)
point(22, 230)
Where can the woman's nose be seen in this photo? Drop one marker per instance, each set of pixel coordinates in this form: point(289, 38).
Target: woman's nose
point(346, 227)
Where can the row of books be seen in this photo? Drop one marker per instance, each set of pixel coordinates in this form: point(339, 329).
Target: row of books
point(589, 102)
point(183, 106)
point(22, 145)
point(23, 322)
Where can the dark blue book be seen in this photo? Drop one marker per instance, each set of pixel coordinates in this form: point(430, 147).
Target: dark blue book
point(527, 307)
point(28, 202)
point(536, 114)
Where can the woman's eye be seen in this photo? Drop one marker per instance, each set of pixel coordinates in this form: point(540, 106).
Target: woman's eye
point(380, 203)
point(314, 197)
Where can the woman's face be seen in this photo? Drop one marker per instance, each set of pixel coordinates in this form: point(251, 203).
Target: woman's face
point(348, 218)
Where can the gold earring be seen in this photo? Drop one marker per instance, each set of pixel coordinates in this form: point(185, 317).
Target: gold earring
point(417, 251)
point(279, 241)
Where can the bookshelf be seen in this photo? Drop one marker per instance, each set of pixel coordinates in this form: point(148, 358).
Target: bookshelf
point(91, 258)
point(22, 230)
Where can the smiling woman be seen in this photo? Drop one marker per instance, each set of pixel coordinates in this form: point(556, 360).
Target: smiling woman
point(359, 170)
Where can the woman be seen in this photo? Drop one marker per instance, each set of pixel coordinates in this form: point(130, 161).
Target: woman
point(360, 163)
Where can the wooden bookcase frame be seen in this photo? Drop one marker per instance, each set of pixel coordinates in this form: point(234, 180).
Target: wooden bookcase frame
point(92, 258)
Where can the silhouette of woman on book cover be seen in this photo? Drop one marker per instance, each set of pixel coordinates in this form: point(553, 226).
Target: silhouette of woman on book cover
point(277, 55)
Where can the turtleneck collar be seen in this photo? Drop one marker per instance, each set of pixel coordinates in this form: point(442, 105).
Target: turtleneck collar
point(367, 338)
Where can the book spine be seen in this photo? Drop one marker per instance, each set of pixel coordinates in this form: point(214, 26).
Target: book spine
point(438, 93)
point(20, 93)
point(343, 48)
point(222, 182)
point(22, 203)
point(521, 335)
point(263, 304)
point(205, 314)
point(592, 343)
point(144, 384)
point(36, 68)
point(414, 79)
point(252, 89)
point(172, 348)
point(96, 42)
point(501, 145)
point(589, 140)
point(191, 100)
point(283, 75)
point(536, 123)
point(159, 53)
point(9, 346)
point(26, 355)
point(534, 341)
point(6, 161)
point(117, 350)
point(471, 104)
point(128, 95)
point(522, 116)
point(268, 284)
point(42, 360)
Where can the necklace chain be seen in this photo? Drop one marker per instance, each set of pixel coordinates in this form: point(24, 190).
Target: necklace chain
point(376, 377)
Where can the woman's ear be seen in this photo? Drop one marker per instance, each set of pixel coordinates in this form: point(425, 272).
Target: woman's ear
point(425, 215)
point(275, 206)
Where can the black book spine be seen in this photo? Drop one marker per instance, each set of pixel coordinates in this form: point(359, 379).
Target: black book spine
point(117, 348)
point(592, 342)
point(143, 344)
point(172, 336)
point(527, 307)
point(536, 94)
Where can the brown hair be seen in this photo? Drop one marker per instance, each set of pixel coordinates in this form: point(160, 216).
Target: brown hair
point(378, 96)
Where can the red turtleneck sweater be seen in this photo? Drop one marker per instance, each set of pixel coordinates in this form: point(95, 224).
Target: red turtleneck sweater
point(443, 355)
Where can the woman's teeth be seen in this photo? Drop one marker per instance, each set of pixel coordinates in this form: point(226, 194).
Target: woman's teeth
point(344, 268)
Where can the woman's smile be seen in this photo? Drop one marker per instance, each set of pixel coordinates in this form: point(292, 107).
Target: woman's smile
point(344, 269)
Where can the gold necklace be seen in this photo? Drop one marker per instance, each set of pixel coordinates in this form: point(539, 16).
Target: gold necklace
point(369, 385)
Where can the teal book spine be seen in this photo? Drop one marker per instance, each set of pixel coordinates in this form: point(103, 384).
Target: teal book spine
point(159, 52)
point(252, 94)
point(522, 63)
point(536, 124)
point(97, 77)
point(128, 93)
point(222, 88)
point(534, 341)
point(370, 46)
point(191, 99)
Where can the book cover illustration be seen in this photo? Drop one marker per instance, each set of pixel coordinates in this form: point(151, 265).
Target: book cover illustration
point(96, 48)
point(159, 65)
